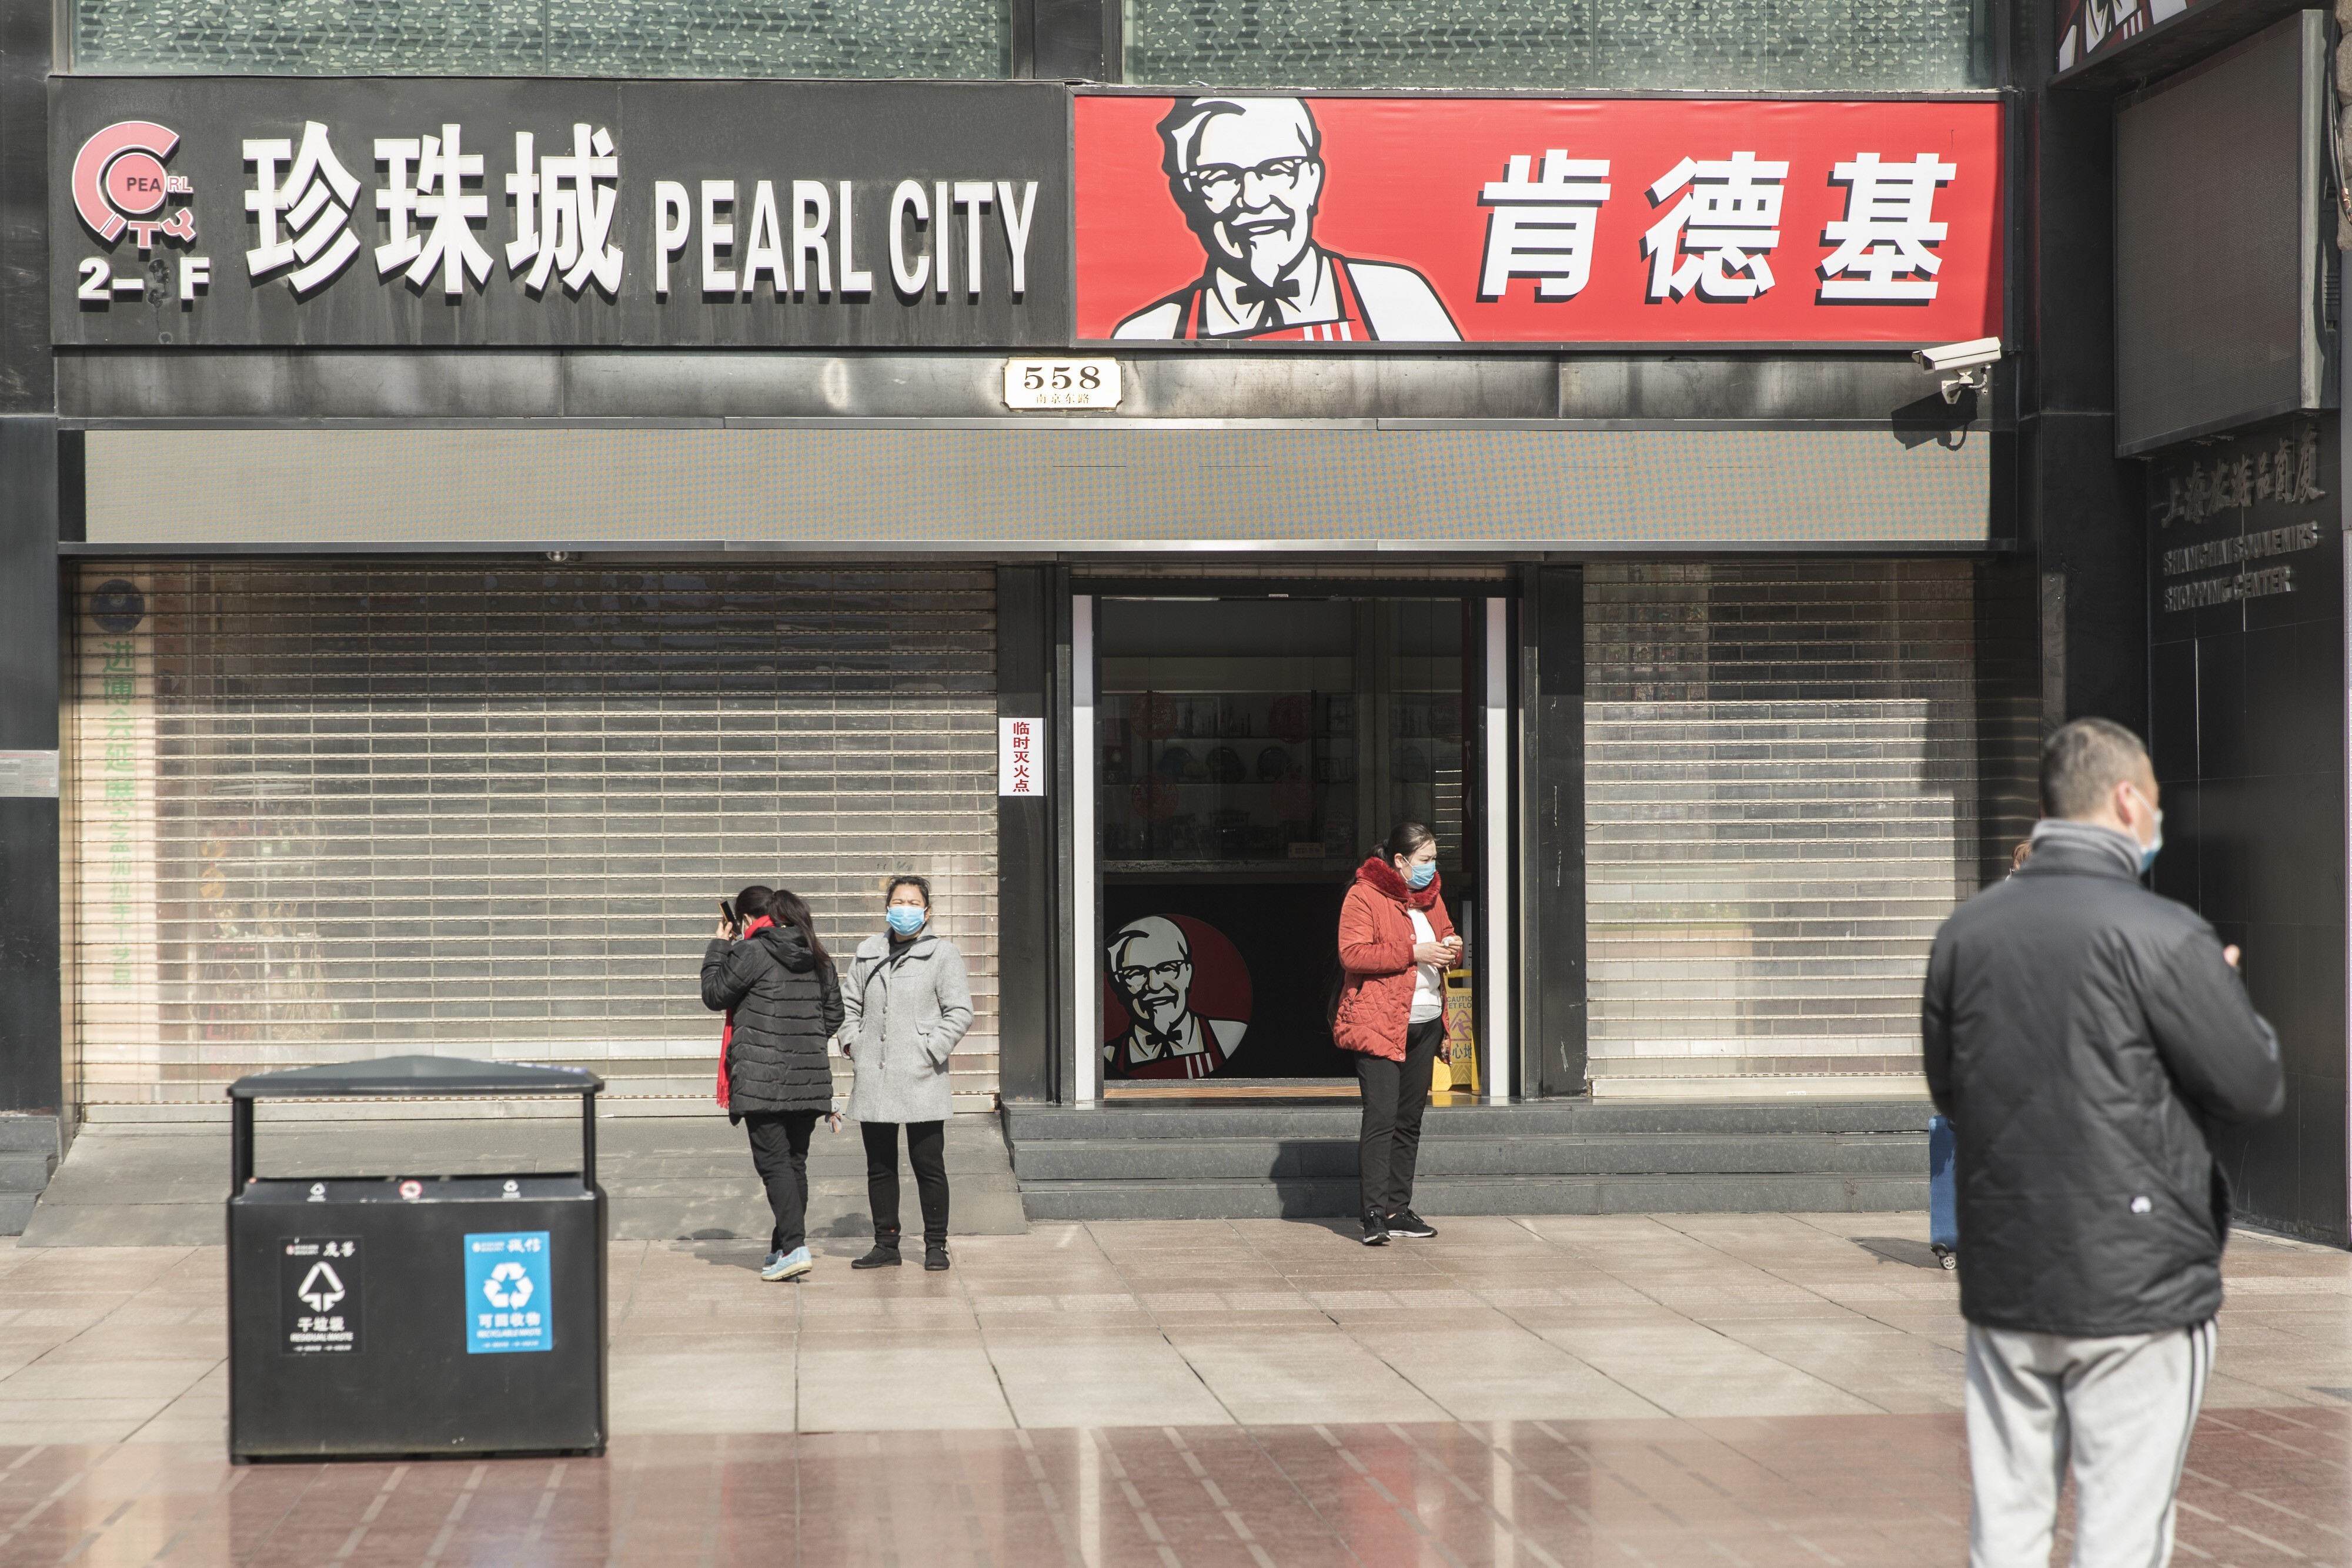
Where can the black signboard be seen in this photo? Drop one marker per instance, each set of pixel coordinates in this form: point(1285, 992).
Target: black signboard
point(540, 212)
point(318, 1295)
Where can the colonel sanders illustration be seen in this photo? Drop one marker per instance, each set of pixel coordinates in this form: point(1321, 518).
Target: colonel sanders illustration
point(1151, 968)
point(1248, 174)
point(2090, 25)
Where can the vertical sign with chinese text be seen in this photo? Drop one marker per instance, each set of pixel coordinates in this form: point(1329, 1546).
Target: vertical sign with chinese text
point(1020, 756)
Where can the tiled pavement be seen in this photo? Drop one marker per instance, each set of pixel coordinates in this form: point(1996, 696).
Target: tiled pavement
point(1722, 1389)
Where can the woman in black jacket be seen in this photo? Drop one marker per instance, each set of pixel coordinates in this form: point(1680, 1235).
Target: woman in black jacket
point(775, 982)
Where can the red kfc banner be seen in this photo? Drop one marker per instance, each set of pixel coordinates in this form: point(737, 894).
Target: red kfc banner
point(1352, 220)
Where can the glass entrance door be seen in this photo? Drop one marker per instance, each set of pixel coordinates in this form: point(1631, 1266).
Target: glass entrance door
point(1251, 753)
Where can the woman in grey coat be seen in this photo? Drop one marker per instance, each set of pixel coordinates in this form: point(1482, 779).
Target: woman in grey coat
point(908, 1001)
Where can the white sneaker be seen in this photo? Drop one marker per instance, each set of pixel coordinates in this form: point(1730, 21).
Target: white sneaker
point(789, 1265)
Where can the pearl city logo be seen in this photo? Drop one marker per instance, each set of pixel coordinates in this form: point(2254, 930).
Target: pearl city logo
point(122, 186)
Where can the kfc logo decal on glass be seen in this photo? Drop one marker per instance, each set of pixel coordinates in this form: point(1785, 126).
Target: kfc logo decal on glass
point(1358, 220)
point(1176, 998)
point(120, 185)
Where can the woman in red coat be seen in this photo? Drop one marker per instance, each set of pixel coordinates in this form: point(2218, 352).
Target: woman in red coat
point(1396, 942)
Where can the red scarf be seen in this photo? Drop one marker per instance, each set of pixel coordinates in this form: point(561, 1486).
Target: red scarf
point(1382, 878)
point(727, 1035)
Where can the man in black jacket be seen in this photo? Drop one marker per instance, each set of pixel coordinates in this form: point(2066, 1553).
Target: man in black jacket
point(2082, 1032)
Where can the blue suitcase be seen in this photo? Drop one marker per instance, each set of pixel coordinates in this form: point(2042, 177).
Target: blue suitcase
point(1943, 1195)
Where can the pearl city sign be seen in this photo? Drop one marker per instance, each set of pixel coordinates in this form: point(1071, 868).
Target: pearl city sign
point(457, 212)
point(502, 213)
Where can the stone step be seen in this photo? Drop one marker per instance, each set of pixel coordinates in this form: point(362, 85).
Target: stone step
point(1030, 1123)
point(1442, 1197)
point(1276, 1159)
point(25, 1172)
point(24, 1134)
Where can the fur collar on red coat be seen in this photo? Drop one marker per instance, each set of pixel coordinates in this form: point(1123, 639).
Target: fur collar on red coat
point(1382, 878)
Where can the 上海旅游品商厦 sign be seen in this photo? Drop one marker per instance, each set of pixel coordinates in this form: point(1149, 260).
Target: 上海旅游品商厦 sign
point(449, 212)
point(1335, 220)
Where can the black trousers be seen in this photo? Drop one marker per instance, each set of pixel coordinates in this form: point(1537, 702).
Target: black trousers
point(1395, 1094)
point(926, 1150)
point(780, 1144)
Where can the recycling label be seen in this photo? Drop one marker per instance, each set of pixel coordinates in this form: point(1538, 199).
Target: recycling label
point(509, 1292)
point(319, 1294)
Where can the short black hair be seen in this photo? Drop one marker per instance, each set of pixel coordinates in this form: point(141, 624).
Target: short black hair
point(2081, 762)
point(906, 879)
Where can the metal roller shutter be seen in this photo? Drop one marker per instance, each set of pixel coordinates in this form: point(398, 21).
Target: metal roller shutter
point(1781, 806)
point(326, 811)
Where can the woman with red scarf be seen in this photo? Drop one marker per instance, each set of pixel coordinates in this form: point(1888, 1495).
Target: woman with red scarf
point(1396, 942)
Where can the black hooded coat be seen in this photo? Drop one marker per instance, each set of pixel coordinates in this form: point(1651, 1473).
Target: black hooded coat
point(787, 1004)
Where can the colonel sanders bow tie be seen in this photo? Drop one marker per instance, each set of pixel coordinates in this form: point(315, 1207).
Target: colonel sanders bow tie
point(1270, 295)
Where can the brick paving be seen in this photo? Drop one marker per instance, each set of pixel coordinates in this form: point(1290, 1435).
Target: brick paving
point(1755, 1389)
point(2264, 1487)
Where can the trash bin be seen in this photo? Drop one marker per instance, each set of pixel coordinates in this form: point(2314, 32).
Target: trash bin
point(416, 1314)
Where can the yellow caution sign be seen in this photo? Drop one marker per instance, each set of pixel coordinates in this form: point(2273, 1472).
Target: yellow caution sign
point(1460, 1076)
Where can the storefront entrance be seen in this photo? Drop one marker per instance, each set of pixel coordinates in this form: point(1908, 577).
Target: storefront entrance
point(1250, 752)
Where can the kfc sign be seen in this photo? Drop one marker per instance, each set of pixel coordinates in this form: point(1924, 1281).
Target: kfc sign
point(1356, 220)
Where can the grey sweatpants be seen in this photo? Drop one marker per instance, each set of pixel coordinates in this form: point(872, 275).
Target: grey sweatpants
point(2121, 1409)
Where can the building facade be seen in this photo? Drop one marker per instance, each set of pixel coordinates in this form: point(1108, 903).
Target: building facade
point(485, 488)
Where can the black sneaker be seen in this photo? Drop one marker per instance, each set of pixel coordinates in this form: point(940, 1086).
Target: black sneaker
point(1376, 1230)
point(935, 1255)
point(1405, 1222)
point(884, 1256)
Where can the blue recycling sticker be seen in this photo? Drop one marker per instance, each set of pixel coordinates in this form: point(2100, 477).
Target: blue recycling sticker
point(510, 1293)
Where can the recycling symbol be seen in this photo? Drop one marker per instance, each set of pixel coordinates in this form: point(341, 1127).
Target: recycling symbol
point(322, 1288)
point(506, 1287)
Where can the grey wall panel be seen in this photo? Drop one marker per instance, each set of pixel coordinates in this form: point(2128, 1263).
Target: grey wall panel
point(331, 809)
point(752, 383)
point(1027, 870)
point(1552, 618)
point(1756, 386)
point(2217, 241)
point(31, 1066)
point(1080, 485)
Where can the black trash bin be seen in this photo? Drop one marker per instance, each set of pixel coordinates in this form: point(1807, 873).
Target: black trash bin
point(416, 1314)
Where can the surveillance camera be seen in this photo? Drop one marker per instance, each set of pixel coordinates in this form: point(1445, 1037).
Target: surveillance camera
point(1964, 367)
point(1965, 356)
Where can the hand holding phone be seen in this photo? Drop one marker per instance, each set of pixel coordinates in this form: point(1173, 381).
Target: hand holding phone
point(726, 921)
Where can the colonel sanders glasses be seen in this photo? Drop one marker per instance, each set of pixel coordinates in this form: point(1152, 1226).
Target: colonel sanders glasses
point(1219, 183)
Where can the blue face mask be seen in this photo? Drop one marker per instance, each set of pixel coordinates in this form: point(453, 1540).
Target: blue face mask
point(906, 919)
point(1423, 874)
point(2147, 850)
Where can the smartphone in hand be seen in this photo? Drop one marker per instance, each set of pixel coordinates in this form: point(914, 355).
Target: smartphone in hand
point(727, 914)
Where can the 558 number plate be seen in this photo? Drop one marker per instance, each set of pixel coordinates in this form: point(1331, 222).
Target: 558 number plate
point(1061, 383)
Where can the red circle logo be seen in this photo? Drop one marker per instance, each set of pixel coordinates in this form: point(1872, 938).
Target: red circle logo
point(412, 1189)
point(134, 184)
